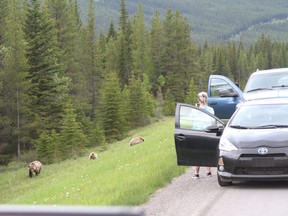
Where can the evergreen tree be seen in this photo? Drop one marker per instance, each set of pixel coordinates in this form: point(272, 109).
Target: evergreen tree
point(111, 55)
point(49, 89)
point(102, 45)
point(191, 97)
point(68, 27)
point(232, 58)
point(72, 138)
point(169, 104)
point(221, 65)
point(160, 96)
point(95, 134)
point(156, 49)
point(159, 104)
point(3, 14)
point(179, 55)
point(58, 10)
point(124, 45)
point(169, 47)
point(242, 66)
point(150, 102)
point(47, 147)
point(92, 61)
point(13, 106)
point(111, 108)
point(123, 16)
point(141, 102)
point(141, 63)
point(111, 32)
point(77, 63)
point(279, 55)
point(69, 142)
point(205, 66)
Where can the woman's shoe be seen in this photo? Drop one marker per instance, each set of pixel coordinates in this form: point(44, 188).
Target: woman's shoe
point(195, 176)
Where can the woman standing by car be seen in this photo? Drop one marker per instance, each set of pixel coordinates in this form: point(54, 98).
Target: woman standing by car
point(202, 98)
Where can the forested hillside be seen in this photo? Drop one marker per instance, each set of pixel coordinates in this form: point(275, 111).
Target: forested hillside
point(214, 21)
point(65, 88)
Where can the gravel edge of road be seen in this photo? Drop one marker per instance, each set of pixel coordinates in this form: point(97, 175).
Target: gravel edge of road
point(184, 196)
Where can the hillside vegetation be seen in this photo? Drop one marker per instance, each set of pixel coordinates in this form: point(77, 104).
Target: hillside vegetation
point(215, 21)
point(63, 88)
point(122, 175)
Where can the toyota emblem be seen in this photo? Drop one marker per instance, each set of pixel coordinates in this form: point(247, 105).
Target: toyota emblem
point(262, 151)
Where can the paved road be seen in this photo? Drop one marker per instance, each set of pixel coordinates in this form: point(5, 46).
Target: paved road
point(200, 197)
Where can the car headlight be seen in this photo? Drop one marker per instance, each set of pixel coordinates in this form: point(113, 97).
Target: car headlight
point(226, 145)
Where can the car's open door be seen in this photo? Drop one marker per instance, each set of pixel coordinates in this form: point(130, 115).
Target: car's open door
point(223, 96)
point(197, 134)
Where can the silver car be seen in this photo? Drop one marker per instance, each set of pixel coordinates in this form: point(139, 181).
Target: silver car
point(252, 146)
point(224, 95)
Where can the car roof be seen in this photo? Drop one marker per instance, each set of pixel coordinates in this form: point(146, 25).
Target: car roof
point(265, 101)
point(270, 71)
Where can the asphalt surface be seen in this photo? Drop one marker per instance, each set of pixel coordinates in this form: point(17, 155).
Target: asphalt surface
point(185, 196)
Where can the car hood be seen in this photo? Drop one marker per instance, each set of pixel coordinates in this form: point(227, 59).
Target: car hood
point(274, 93)
point(252, 138)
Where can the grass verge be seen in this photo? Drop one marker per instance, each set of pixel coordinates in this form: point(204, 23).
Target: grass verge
point(122, 175)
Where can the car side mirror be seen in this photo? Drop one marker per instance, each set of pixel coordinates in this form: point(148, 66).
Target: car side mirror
point(228, 93)
point(215, 129)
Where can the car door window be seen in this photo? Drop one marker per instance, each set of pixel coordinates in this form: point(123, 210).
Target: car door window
point(221, 88)
point(196, 119)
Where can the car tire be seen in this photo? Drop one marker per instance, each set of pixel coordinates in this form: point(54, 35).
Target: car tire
point(223, 183)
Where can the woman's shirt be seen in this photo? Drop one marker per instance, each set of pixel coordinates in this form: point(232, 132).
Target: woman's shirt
point(208, 108)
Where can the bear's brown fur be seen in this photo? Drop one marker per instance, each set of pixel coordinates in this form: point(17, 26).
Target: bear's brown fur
point(136, 140)
point(35, 167)
point(93, 156)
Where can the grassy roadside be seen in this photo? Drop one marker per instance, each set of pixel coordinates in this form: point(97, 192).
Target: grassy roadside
point(122, 175)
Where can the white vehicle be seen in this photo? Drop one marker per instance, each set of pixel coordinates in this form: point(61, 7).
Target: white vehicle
point(224, 95)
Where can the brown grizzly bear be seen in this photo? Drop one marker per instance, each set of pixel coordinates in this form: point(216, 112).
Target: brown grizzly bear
point(92, 156)
point(36, 167)
point(136, 140)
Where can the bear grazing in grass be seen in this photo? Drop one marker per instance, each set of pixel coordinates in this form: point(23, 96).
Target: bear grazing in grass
point(92, 156)
point(36, 167)
point(136, 140)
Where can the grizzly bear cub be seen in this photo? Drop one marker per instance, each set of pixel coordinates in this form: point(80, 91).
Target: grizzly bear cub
point(136, 140)
point(92, 156)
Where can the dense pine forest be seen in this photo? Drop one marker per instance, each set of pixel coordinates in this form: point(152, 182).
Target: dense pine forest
point(216, 21)
point(65, 88)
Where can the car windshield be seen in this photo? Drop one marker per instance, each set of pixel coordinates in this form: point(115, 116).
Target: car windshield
point(261, 116)
point(264, 82)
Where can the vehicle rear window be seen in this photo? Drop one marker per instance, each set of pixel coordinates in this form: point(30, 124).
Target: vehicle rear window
point(269, 81)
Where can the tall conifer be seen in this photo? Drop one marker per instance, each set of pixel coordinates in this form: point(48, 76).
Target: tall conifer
point(3, 14)
point(141, 62)
point(112, 109)
point(49, 86)
point(124, 45)
point(156, 49)
point(178, 56)
point(92, 61)
point(72, 138)
point(14, 98)
point(141, 102)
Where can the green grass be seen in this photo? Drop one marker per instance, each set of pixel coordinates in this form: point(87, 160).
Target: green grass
point(122, 175)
